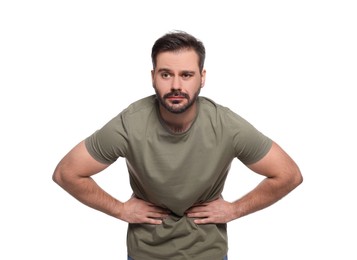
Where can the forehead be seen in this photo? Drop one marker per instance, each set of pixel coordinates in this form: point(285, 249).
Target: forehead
point(178, 60)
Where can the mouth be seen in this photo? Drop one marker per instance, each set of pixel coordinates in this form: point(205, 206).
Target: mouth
point(176, 95)
point(176, 99)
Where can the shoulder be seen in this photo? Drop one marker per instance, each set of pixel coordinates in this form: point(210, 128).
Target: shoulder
point(111, 141)
point(208, 105)
point(139, 110)
point(133, 115)
point(146, 103)
point(221, 112)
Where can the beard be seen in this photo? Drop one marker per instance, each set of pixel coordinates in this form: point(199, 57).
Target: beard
point(175, 107)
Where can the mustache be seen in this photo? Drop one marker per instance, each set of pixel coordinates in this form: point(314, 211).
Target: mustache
point(176, 94)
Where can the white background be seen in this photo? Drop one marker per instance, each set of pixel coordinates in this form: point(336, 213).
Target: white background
point(288, 67)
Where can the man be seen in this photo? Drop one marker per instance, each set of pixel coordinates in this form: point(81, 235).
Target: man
point(178, 148)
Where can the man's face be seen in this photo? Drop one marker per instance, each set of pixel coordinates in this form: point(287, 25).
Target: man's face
point(177, 80)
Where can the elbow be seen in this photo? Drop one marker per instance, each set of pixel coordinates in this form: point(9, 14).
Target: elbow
point(301, 179)
point(56, 177)
point(59, 177)
point(296, 178)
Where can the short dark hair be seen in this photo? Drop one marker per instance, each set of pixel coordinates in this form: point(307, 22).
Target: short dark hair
point(176, 41)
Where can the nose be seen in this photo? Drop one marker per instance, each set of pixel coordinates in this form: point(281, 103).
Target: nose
point(175, 84)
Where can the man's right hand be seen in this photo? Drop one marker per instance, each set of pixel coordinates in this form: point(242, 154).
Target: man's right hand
point(136, 210)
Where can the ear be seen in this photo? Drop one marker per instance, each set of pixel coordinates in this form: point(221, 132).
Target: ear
point(203, 78)
point(152, 76)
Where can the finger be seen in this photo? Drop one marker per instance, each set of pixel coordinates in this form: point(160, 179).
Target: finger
point(157, 215)
point(201, 221)
point(153, 221)
point(197, 214)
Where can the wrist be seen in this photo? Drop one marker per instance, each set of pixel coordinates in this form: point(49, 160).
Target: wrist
point(117, 210)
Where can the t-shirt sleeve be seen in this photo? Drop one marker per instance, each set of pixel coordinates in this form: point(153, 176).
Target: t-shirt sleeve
point(250, 144)
point(109, 143)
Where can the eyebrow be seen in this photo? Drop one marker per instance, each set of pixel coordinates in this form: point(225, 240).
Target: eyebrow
point(184, 71)
point(164, 70)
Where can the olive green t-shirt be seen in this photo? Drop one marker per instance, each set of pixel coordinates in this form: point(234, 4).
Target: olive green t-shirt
point(176, 171)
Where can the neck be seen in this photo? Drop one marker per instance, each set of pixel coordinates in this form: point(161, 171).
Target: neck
point(178, 123)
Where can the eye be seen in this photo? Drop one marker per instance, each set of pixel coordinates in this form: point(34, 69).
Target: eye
point(186, 75)
point(165, 75)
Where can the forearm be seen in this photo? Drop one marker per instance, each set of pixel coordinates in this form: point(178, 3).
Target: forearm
point(269, 191)
point(282, 176)
point(87, 191)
